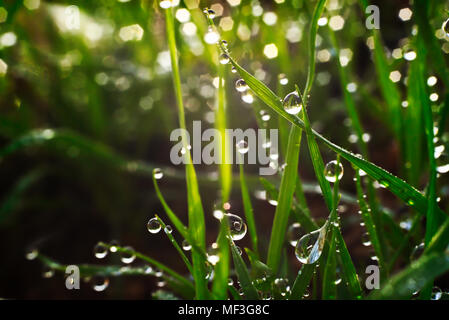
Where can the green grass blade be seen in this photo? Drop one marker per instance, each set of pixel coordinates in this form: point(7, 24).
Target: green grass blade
point(195, 208)
point(414, 277)
point(249, 212)
point(302, 281)
point(221, 269)
point(242, 272)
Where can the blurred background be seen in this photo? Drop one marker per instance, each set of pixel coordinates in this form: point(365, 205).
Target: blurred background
point(87, 106)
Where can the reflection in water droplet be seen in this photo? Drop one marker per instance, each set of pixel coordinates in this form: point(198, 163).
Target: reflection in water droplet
point(153, 225)
point(292, 103)
point(333, 171)
point(237, 226)
point(224, 58)
point(168, 229)
point(309, 248)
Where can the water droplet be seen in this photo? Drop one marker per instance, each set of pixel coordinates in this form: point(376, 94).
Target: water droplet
point(265, 116)
point(242, 146)
point(294, 233)
point(362, 173)
point(333, 171)
point(366, 240)
point(129, 256)
point(168, 229)
point(48, 272)
point(210, 13)
point(230, 282)
point(239, 250)
point(153, 225)
point(100, 250)
point(165, 4)
point(283, 80)
point(309, 248)
point(213, 254)
point(436, 293)
point(211, 37)
point(31, 254)
point(237, 226)
point(445, 27)
point(218, 214)
point(100, 283)
point(292, 103)
point(233, 70)
point(241, 86)
point(338, 281)
point(224, 43)
point(186, 245)
point(248, 97)
point(113, 245)
point(417, 251)
point(157, 173)
point(282, 286)
point(224, 58)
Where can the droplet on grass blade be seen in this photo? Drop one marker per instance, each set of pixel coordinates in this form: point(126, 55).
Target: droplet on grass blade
point(241, 86)
point(224, 58)
point(157, 173)
point(100, 250)
point(127, 256)
point(237, 227)
point(333, 171)
point(153, 225)
point(100, 283)
point(309, 248)
point(186, 245)
point(292, 103)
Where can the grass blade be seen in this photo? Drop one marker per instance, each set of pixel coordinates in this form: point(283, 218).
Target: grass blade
point(246, 284)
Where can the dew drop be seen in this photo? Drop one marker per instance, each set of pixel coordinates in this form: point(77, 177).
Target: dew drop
point(366, 241)
point(210, 13)
point(157, 173)
point(282, 286)
point(168, 229)
point(242, 146)
point(129, 256)
point(100, 250)
point(309, 248)
point(233, 70)
point(294, 233)
point(292, 103)
point(283, 80)
point(100, 283)
point(218, 214)
point(213, 254)
point(211, 37)
point(241, 86)
point(153, 225)
point(237, 226)
point(248, 97)
point(113, 245)
point(333, 171)
point(186, 245)
point(265, 116)
point(224, 58)
point(31, 254)
point(436, 293)
point(48, 272)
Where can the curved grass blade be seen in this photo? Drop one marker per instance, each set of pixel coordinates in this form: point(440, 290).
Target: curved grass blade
point(414, 277)
point(242, 272)
point(197, 228)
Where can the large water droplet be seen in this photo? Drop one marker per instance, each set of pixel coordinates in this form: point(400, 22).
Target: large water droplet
point(237, 226)
point(157, 173)
point(309, 248)
point(128, 257)
point(294, 233)
point(100, 250)
point(241, 86)
point(333, 171)
point(292, 103)
point(153, 225)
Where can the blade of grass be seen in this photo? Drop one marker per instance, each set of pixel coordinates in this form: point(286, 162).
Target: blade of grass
point(221, 268)
point(246, 284)
point(195, 207)
point(288, 181)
